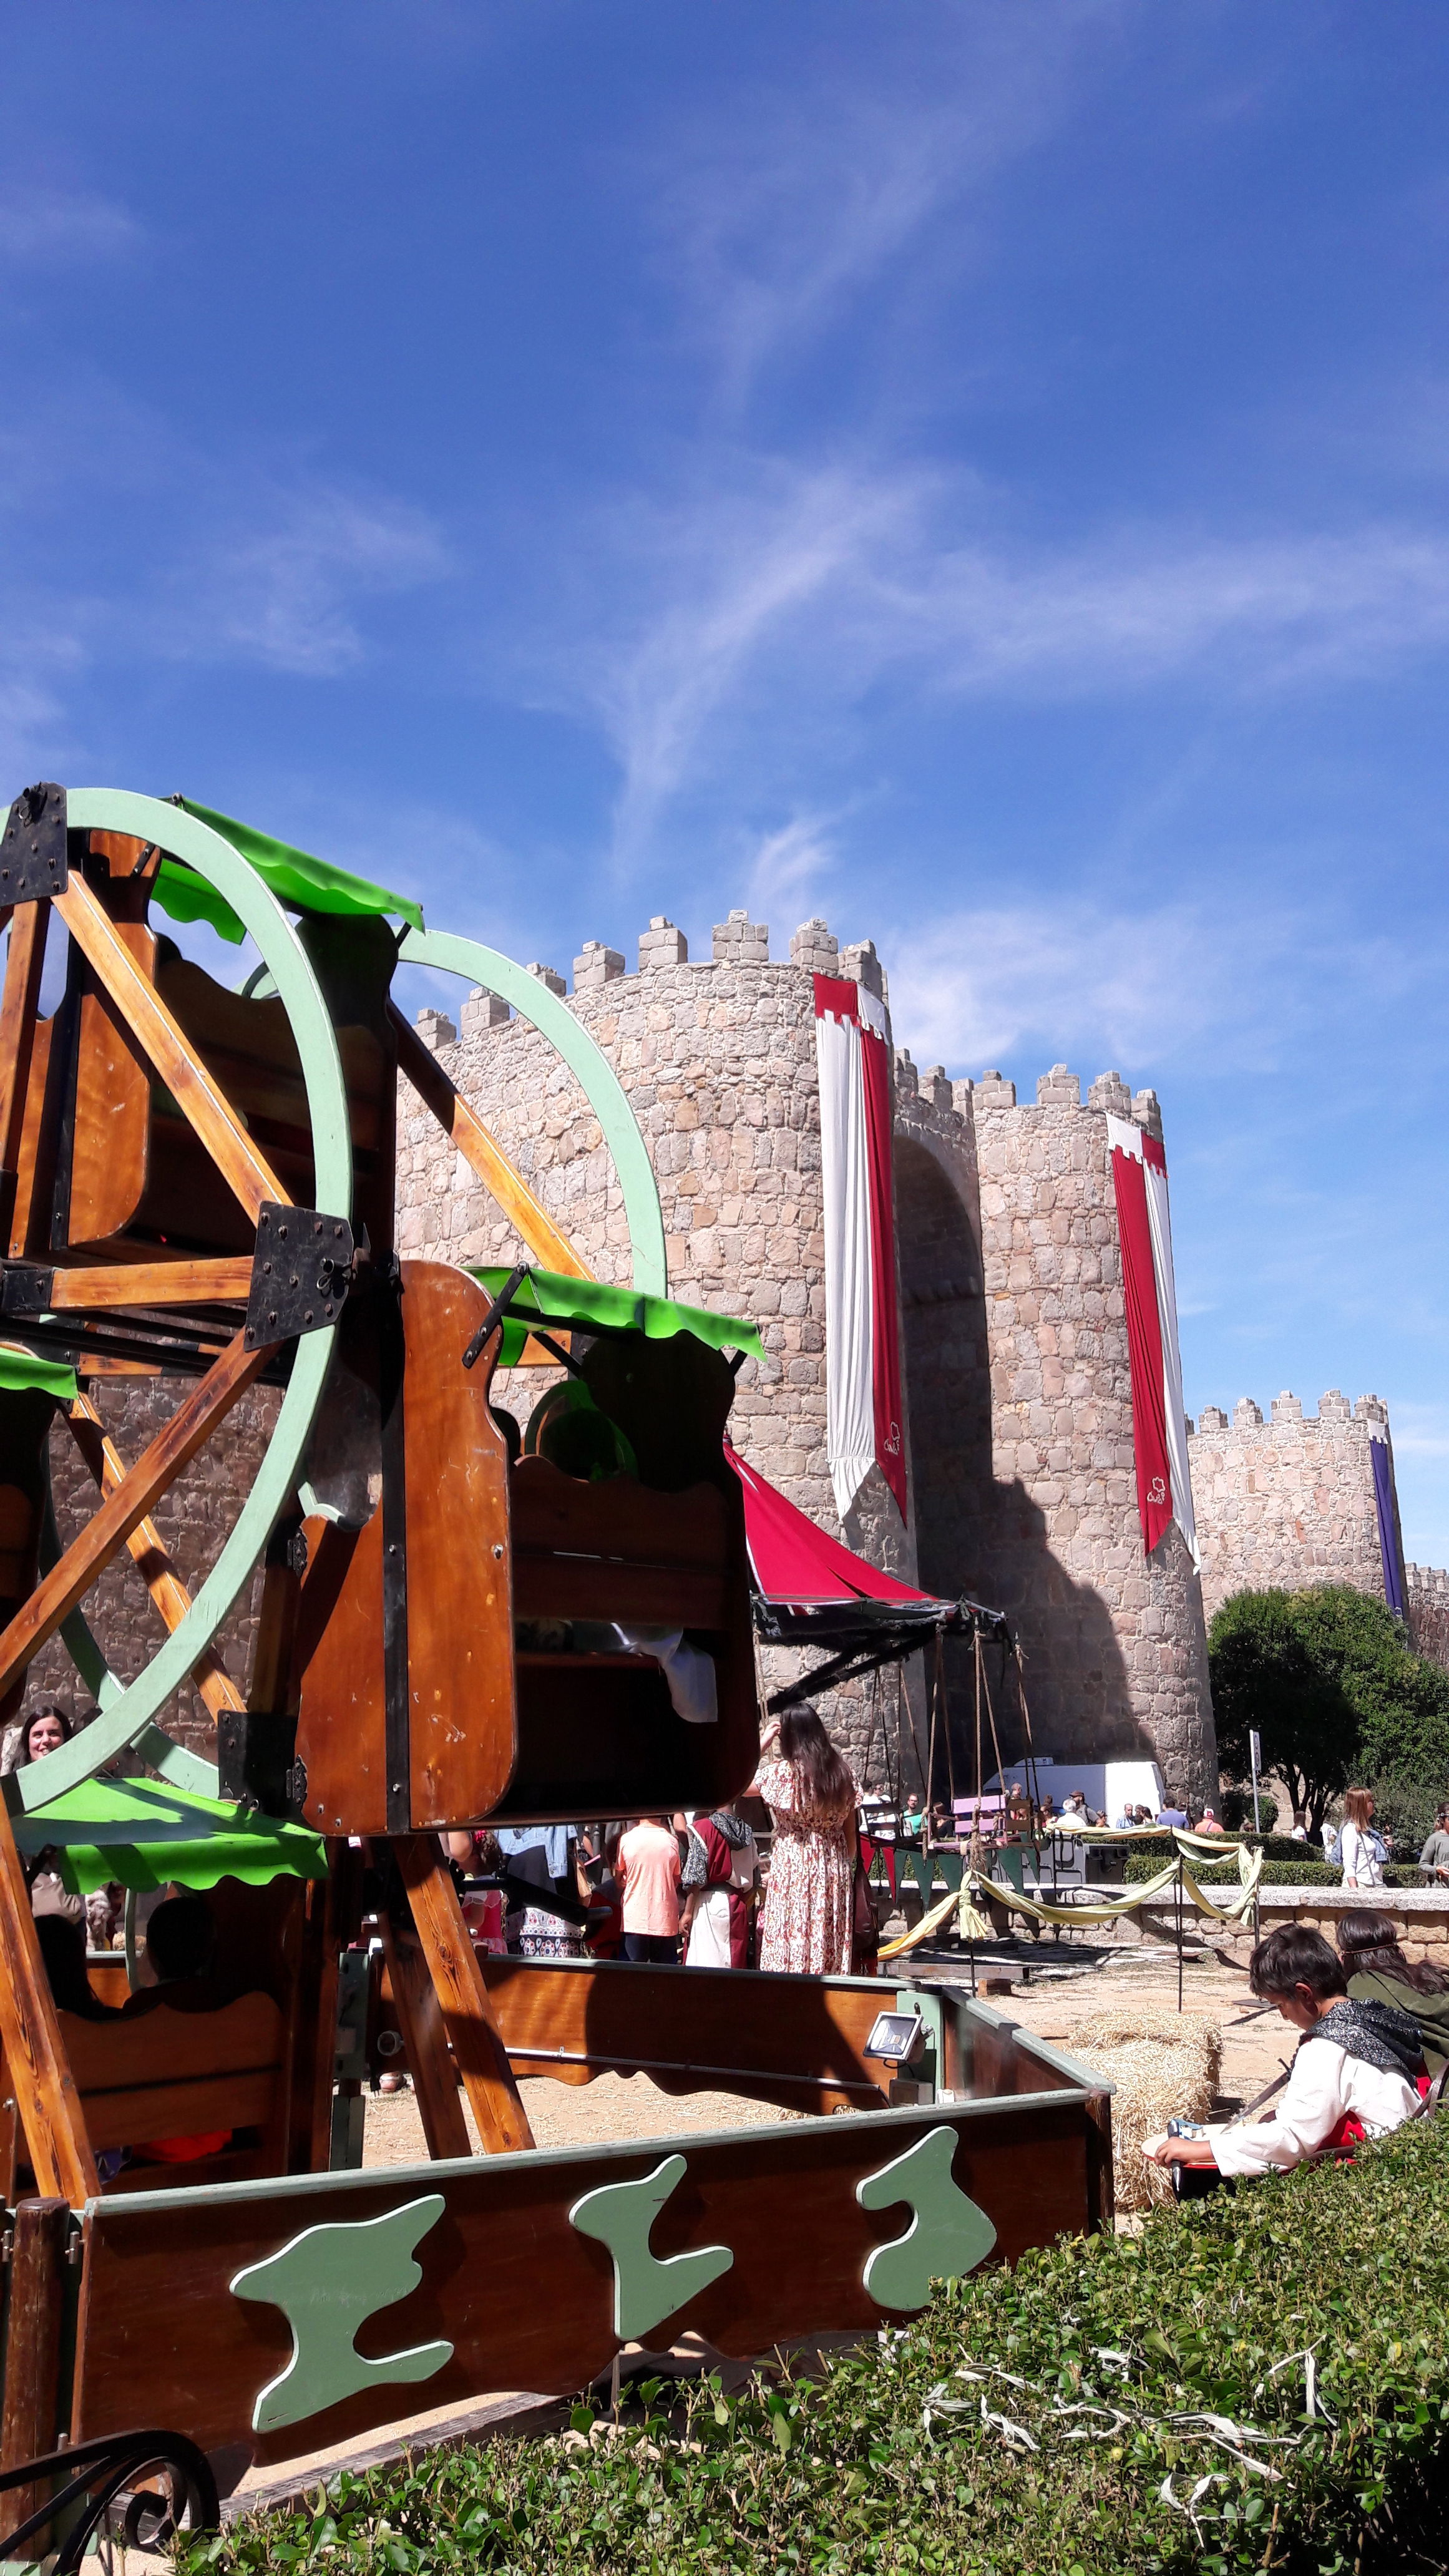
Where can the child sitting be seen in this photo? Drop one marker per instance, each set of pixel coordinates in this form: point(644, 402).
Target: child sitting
point(1358, 2070)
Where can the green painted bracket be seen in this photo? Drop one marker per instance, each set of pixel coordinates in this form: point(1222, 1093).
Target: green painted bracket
point(327, 2282)
point(948, 2234)
point(127, 1719)
point(601, 1085)
point(646, 2290)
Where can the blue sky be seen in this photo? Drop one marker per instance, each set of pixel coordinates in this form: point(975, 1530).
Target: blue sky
point(973, 471)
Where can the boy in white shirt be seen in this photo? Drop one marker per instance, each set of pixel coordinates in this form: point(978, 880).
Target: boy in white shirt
point(1358, 2069)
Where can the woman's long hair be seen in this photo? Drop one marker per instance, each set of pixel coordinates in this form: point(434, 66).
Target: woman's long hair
point(808, 1749)
point(47, 1709)
point(1368, 1945)
point(1358, 1808)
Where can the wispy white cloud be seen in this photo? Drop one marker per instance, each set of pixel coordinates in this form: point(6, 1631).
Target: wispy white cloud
point(1167, 986)
point(46, 228)
point(789, 864)
point(281, 584)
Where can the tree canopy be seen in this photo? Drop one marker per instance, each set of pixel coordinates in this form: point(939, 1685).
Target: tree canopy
point(1334, 1689)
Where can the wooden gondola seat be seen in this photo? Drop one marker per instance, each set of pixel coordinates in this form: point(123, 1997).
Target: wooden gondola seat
point(162, 2074)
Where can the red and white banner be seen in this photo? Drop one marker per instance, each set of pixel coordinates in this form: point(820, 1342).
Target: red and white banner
point(1159, 1426)
point(862, 1341)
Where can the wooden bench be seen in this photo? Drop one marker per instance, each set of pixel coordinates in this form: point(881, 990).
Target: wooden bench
point(165, 2074)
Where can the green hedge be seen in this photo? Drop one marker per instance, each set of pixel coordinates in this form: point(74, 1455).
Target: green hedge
point(1061, 2420)
point(1276, 1873)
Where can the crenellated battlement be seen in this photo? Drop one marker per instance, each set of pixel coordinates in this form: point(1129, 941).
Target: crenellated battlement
point(1286, 1415)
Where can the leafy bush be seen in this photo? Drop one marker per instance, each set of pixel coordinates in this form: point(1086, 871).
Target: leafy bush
point(1259, 2381)
point(1235, 1810)
point(1278, 1873)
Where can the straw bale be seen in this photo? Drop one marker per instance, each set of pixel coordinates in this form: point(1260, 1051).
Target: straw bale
point(1162, 2065)
point(1120, 2025)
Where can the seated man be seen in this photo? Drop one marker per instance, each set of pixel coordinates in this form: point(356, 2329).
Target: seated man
point(1358, 2070)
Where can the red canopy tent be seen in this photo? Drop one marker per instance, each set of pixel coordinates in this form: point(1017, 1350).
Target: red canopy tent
point(811, 1591)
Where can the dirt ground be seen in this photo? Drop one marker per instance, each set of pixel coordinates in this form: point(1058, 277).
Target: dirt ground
point(613, 2109)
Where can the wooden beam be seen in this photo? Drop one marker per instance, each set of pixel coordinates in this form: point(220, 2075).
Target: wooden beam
point(151, 1555)
point(480, 1151)
point(154, 1283)
point(34, 2326)
point(18, 1006)
point(468, 2017)
point(37, 2069)
point(193, 1422)
point(242, 1166)
point(420, 2020)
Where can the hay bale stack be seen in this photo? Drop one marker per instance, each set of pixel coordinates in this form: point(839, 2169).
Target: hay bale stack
point(1162, 2064)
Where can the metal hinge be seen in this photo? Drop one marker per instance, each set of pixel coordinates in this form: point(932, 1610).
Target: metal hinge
point(26, 1290)
point(33, 857)
point(301, 1272)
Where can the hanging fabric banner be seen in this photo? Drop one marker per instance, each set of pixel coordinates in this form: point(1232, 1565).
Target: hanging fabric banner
point(1159, 1427)
point(862, 1341)
point(1387, 1517)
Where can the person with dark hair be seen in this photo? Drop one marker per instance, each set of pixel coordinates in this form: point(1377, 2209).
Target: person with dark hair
point(1357, 2071)
point(649, 1874)
point(63, 1949)
point(808, 1919)
point(181, 1939)
point(1378, 1972)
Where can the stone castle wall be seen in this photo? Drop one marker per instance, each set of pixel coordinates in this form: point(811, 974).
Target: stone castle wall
point(193, 1519)
point(1426, 1606)
point(1014, 1336)
point(1288, 1502)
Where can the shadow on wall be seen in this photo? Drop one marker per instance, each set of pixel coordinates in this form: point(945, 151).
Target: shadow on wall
point(973, 1534)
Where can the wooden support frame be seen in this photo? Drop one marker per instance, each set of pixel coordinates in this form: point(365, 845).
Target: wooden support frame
point(36, 2067)
point(19, 1004)
point(241, 1165)
point(151, 1555)
point(193, 1422)
point(468, 2016)
point(445, 2131)
point(483, 1155)
point(153, 1283)
point(34, 2325)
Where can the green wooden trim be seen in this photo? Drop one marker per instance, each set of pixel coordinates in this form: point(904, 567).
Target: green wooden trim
point(585, 1058)
point(126, 1719)
point(948, 2233)
point(327, 2282)
point(647, 2289)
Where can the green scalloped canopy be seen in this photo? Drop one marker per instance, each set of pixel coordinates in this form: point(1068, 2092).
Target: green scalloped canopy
point(20, 1371)
point(147, 1835)
point(295, 878)
point(592, 1308)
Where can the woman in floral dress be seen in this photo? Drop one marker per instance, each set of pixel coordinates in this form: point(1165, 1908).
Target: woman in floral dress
point(806, 1925)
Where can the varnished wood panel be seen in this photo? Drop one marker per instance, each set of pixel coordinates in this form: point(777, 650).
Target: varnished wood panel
point(459, 1589)
point(111, 1122)
point(37, 2070)
point(526, 2300)
point(463, 1999)
point(34, 2333)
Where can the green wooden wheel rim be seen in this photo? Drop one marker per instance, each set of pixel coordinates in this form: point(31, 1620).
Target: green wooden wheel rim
point(127, 1720)
point(585, 1059)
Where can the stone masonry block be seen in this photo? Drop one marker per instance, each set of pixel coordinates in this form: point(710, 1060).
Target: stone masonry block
point(596, 966)
point(993, 1093)
point(550, 976)
point(661, 944)
point(1147, 1110)
point(1287, 1408)
point(1110, 1092)
point(741, 942)
point(1247, 1416)
point(436, 1029)
point(935, 1087)
point(860, 962)
point(483, 1010)
point(1058, 1089)
point(816, 949)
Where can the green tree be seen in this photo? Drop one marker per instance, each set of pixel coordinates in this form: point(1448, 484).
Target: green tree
point(1334, 1689)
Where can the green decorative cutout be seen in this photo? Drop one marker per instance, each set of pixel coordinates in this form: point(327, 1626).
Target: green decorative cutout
point(646, 2291)
point(327, 2283)
point(947, 2235)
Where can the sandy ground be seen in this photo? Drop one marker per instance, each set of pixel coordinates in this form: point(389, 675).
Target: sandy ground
point(612, 2109)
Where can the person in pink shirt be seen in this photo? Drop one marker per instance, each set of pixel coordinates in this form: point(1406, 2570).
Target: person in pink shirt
point(648, 1866)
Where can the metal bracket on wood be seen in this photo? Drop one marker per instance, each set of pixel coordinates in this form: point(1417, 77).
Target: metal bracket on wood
point(26, 1289)
point(301, 1272)
point(255, 1760)
point(33, 858)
